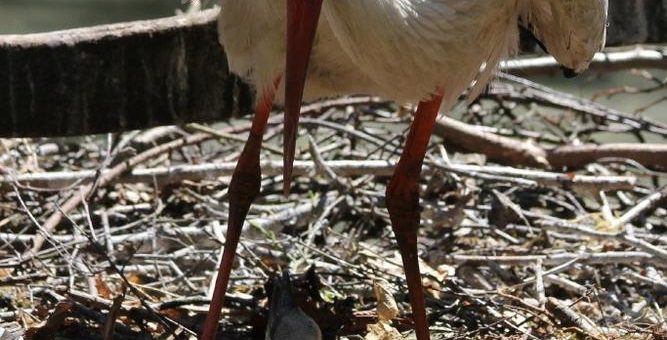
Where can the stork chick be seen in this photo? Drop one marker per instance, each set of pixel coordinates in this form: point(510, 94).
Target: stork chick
point(286, 320)
point(410, 51)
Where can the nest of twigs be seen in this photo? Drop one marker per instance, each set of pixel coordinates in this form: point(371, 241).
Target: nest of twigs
point(118, 237)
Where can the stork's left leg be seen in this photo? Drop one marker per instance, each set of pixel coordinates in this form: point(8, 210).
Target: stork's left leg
point(302, 19)
point(243, 189)
point(403, 206)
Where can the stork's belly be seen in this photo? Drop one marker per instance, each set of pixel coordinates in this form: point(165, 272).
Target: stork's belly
point(410, 48)
point(331, 71)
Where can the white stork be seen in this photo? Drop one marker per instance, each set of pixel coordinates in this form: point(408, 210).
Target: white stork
point(410, 51)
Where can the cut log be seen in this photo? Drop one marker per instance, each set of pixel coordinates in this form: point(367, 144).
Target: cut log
point(116, 77)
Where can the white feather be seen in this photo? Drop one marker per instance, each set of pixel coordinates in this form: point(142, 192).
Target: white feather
point(405, 50)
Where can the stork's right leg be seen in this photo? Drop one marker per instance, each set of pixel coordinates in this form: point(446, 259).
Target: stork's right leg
point(403, 206)
point(243, 189)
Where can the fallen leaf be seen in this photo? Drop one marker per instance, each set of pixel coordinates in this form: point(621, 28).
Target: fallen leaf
point(103, 289)
point(387, 310)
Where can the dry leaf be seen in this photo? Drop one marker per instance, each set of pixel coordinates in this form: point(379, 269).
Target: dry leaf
point(387, 310)
point(382, 331)
point(387, 307)
point(103, 289)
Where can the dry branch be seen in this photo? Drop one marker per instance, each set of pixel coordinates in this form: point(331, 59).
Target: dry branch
point(497, 148)
point(569, 317)
point(505, 150)
point(611, 60)
point(652, 156)
point(557, 259)
point(346, 168)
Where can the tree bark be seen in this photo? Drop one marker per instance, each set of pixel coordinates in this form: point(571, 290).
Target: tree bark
point(637, 21)
point(167, 71)
point(116, 78)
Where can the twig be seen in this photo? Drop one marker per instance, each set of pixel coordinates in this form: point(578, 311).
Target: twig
point(646, 204)
point(52, 222)
point(571, 318)
point(608, 61)
point(108, 329)
point(532, 93)
point(557, 259)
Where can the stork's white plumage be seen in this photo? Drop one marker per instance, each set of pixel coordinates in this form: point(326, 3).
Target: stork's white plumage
point(426, 51)
point(403, 50)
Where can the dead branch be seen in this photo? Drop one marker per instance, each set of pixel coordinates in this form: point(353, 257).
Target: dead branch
point(557, 259)
point(614, 59)
point(497, 148)
point(648, 203)
point(347, 168)
point(652, 156)
point(570, 317)
point(505, 150)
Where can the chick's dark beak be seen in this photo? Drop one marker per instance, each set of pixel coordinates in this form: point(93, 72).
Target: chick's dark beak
point(568, 72)
point(287, 321)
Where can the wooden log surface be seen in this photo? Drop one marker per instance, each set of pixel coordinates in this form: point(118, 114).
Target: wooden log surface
point(116, 77)
point(166, 71)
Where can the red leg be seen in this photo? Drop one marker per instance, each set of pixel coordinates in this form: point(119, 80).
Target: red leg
point(403, 206)
point(243, 189)
point(302, 19)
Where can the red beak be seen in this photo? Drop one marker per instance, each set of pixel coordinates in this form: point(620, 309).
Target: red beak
point(302, 19)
